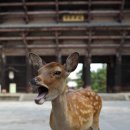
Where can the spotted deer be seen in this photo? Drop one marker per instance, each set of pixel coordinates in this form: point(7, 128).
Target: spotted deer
point(74, 110)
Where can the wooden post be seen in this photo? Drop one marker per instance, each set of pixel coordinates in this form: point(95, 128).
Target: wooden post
point(3, 66)
point(121, 11)
point(1, 70)
point(87, 72)
point(118, 73)
point(87, 63)
point(28, 74)
point(28, 63)
point(89, 9)
point(110, 74)
point(118, 69)
point(57, 11)
point(58, 55)
point(26, 17)
point(59, 59)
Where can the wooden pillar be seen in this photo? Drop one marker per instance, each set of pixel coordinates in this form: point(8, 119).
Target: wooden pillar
point(3, 67)
point(87, 72)
point(121, 16)
point(59, 59)
point(28, 63)
point(89, 9)
point(110, 75)
point(118, 73)
point(58, 54)
point(87, 62)
point(57, 11)
point(28, 74)
point(26, 17)
point(118, 69)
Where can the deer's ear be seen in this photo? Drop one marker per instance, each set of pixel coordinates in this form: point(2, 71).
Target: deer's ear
point(36, 60)
point(72, 62)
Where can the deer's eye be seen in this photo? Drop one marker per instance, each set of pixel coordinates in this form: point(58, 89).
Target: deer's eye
point(57, 72)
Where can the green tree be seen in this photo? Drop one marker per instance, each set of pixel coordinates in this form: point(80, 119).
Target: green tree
point(98, 79)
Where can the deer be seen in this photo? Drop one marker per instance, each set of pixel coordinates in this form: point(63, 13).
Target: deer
point(71, 110)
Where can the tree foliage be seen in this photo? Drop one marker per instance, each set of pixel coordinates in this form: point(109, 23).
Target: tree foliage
point(98, 80)
point(79, 80)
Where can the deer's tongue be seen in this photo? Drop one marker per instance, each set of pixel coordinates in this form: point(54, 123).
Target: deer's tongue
point(40, 99)
point(42, 92)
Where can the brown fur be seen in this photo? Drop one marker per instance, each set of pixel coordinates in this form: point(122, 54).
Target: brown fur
point(83, 109)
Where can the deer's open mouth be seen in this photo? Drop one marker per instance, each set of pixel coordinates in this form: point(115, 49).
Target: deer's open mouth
point(42, 92)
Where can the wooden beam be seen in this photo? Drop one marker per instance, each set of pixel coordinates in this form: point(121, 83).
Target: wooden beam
point(48, 29)
point(62, 26)
point(83, 37)
point(51, 51)
point(42, 29)
point(50, 12)
point(105, 2)
point(110, 2)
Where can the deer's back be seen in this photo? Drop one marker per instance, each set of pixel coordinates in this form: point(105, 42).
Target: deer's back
point(83, 106)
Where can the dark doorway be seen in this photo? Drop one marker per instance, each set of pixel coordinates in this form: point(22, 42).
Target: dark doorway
point(15, 73)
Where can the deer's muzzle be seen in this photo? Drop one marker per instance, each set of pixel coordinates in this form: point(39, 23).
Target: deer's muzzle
point(42, 92)
point(41, 89)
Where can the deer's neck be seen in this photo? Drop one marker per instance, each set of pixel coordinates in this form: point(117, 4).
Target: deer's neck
point(60, 111)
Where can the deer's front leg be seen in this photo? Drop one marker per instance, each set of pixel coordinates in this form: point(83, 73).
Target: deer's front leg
point(95, 125)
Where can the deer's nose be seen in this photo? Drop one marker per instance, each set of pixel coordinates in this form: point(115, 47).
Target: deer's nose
point(34, 81)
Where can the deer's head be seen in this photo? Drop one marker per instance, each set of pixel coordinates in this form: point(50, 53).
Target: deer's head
point(51, 79)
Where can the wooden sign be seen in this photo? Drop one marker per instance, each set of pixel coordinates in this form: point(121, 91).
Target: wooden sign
point(73, 18)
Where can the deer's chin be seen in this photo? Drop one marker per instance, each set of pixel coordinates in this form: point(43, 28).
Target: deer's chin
point(42, 92)
point(39, 102)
